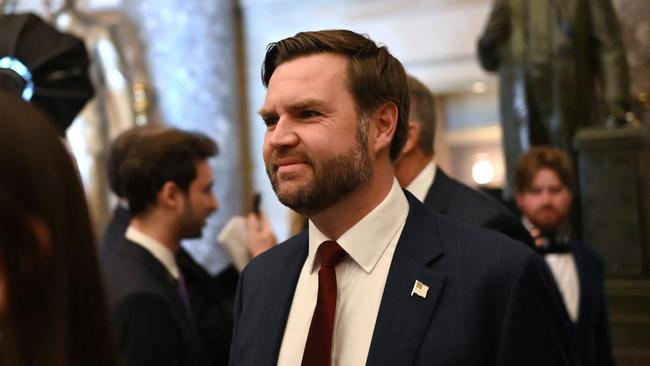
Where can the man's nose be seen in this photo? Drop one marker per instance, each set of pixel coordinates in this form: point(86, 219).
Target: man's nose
point(546, 196)
point(283, 134)
point(214, 204)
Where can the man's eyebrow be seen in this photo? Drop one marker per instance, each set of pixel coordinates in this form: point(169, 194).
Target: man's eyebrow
point(307, 103)
point(265, 112)
point(301, 104)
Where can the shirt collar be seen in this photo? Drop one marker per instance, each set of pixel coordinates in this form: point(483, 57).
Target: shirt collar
point(526, 222)
point(158, 250)
point(366, 241)
point(422, 182)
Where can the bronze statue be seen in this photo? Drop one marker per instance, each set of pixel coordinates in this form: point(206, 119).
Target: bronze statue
point(561, 66)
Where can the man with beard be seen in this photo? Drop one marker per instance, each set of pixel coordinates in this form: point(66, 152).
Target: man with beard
point(168, 184)
point(211, 297)
point(544, 185)
point(377, 278)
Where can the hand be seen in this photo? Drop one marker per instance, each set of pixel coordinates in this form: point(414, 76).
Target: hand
point(260, 234)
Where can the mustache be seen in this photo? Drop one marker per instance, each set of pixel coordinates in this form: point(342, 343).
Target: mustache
point(546, 207)
point(278, 155)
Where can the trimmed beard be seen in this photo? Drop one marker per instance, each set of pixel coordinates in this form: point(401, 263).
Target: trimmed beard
point(333, 178)
point(191, 225)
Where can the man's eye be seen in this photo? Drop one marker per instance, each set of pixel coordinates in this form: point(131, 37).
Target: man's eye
point(309, 114)
point(270, 121)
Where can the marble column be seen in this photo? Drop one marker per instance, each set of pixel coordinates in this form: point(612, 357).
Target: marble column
point(191, 50)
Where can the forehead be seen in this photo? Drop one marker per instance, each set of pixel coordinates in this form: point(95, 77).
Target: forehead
point(317, 76)
point(546, 177)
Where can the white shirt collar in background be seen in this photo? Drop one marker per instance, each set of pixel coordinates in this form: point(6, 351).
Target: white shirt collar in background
point(158, 250)
point(422, 182)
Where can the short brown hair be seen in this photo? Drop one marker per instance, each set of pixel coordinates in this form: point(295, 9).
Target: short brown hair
point(540, 157)
point(423, 111)
point(374, 75)
point(170, 155)
point(119, 150)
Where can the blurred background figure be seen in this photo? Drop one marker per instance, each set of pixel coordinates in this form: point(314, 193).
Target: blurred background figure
point(210, 297)
point(52, 308)
point(416, 170)
point(168, 183)
point(118, 151)
point(544, 183)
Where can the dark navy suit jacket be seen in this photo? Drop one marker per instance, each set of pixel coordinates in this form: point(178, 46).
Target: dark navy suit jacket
point(591, 332)
point(451, 198)
point(152, 325)
point(483, 288)
point(211, 297)
point(114, 232)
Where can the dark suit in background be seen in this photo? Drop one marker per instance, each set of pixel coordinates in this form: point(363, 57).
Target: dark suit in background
point(483, 287)
point(451, 198)
point(591, 332)
point(152, 325)
point(114, 233)
point(211, 297)
point(211, 307)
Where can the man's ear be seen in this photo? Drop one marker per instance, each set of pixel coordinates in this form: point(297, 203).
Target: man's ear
point(386, 123)
point(412, 137)
point(169, 195)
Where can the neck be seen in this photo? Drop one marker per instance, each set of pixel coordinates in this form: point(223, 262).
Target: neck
point(154, 225)
point(409, 165)
point(341, 216)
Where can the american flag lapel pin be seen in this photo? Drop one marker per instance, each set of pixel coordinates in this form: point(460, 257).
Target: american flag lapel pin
point(420, 289)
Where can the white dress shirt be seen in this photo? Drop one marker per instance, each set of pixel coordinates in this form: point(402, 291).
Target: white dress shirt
point(422, 182)
point(361, 278)
point(158, 250)
point(565, 273)
point(563, 267)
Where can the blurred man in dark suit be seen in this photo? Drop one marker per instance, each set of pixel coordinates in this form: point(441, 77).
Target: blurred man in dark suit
point(544, 184)
point(167, 182)
point(416, 170)
point(118, 151)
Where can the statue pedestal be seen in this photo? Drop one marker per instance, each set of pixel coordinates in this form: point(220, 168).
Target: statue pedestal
point(614, 166)
point(615, 190)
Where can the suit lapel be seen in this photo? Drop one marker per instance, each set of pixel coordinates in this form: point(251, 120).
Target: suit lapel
point(404, 319)
point(583, 284)
point(437, 197)
point(280, 286)
point(158, 270)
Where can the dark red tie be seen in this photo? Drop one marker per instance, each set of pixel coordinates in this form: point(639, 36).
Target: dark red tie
point(318, 349)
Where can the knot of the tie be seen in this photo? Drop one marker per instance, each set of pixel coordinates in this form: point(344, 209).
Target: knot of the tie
point(331, 254)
